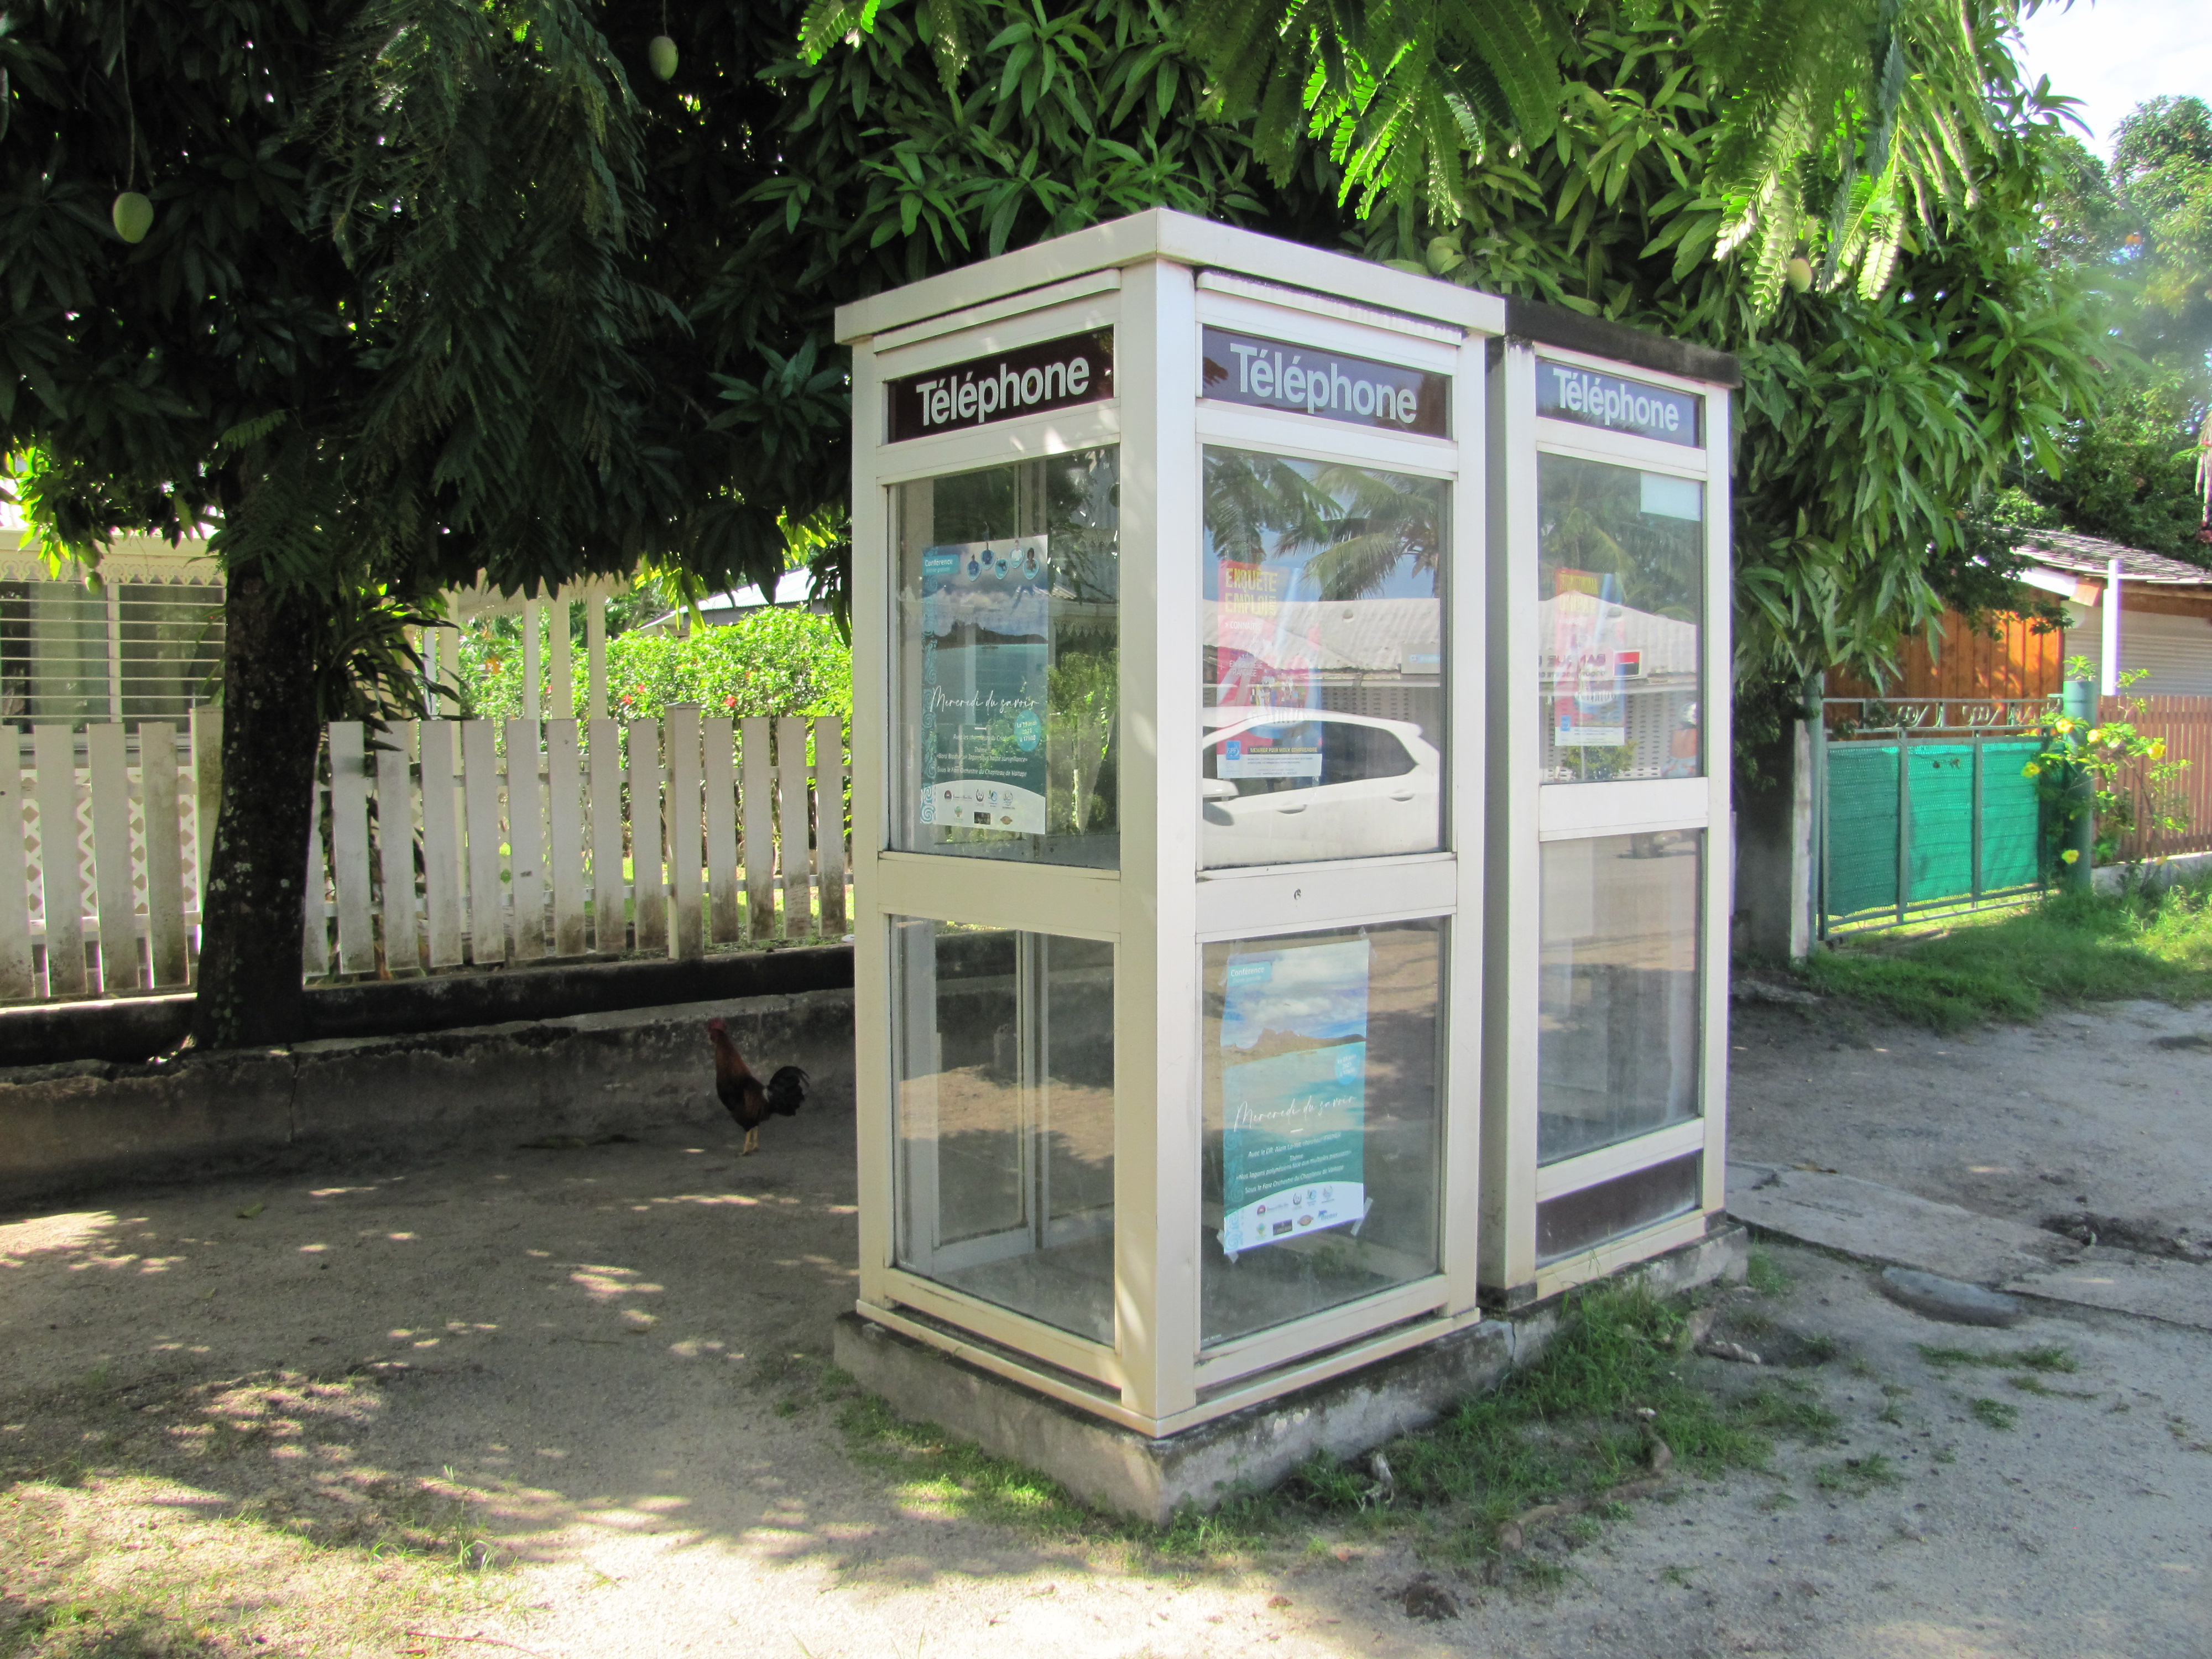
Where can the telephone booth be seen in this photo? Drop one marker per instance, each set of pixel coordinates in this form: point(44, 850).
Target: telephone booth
point(1189, 808)
point(1611, 858)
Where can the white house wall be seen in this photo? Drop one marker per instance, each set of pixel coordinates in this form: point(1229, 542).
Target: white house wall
point(2177, 650)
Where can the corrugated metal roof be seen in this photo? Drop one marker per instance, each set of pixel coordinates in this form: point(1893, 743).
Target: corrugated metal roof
point(2092, 556)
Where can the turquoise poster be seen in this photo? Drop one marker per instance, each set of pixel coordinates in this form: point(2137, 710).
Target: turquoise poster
point(985, 661)
point(1293, 1118)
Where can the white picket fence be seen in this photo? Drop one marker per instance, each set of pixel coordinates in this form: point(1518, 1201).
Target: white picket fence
point(715, 831)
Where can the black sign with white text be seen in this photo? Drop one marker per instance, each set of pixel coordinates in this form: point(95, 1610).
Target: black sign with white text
point(1241, 368)
point(1588, 398)
point(1076, 369)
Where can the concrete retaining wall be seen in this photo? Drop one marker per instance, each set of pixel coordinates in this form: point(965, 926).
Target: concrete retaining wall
point(139, 1027)
point(87, 1123)
point(2153, 872)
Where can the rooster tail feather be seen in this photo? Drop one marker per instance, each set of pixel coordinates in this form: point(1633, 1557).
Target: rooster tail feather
point(787, 1091)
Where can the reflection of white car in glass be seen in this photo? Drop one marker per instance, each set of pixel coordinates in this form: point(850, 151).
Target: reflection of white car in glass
point(1377, 792)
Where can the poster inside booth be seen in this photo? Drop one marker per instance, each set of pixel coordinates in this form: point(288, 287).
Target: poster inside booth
point(986, 667)
point(1294, 1093)
point(1592, 664)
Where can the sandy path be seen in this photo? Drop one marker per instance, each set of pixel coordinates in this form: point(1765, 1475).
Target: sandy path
point(611, 1356)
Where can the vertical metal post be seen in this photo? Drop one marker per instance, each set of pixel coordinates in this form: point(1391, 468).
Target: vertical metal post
point(2077, 828)
point(1904, 817)
point(1816, 718)
point(2109, 668)
point(1974, 822)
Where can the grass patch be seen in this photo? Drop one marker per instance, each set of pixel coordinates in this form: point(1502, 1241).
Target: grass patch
point(2036, 1386)
point(1994, 1414)
point(2072, 947)
point(1764, 1275)
point(119, 1568)
point(2048, 1357)
point(1564, 1431)
point(1857, 1476)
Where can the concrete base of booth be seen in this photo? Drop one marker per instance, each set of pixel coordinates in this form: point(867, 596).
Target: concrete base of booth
point(1117, 1469)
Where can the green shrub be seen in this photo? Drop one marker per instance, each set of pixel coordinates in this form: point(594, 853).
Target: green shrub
point(773, 662)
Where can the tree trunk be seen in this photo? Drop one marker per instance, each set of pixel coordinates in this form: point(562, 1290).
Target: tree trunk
point(249, 989)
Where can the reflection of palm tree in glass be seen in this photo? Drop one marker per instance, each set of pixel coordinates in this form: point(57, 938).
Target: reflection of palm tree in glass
point(1359, 524)
point(1590, 517)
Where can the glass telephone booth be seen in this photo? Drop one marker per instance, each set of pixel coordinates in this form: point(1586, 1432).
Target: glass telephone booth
point(1177, 803)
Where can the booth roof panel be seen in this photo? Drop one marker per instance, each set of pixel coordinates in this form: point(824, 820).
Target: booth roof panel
point(1571, 330)
point(1183, 239)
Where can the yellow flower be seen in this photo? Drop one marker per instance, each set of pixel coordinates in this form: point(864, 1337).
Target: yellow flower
point(2071, 855)
point(2158, 748)
point(2030, 770)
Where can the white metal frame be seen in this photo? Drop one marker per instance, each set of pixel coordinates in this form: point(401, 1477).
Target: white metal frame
point(1155, 278)
point(1525, 815)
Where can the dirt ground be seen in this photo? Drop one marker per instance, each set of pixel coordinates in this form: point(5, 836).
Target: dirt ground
point(2104, 1110)
point(571, 1403)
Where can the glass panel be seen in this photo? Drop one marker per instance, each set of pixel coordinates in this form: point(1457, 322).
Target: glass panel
point(1004, 1046)
point(1620, 596)
point(1613, 1209)
point(1617, 991)
point(1009, 625)
point(1321, 1055)
point(54, 652)
point(1323, 595)
point(172, 648)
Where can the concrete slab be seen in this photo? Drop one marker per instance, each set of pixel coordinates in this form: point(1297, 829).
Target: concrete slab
point(1134, 1474)
point(2177, 1292)
point(1880, 1224)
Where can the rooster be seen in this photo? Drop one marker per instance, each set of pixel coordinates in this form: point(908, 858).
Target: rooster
point(742, 1092)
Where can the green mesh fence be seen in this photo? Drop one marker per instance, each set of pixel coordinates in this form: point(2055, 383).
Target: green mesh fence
point(1863, 824)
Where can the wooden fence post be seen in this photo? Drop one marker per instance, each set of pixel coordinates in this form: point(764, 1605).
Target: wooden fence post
point(441, 846)
point(487, 896)
point(595, 660)
point(830, 820)
point(791, 814)
point(526, 840)
point(16, 976)
point(108, 763)
point(350, 848)
point(564, 784)
point(561, 673)
point(53, 749)
point(647, 844)
point(314, 926)
point(207, 789)
point(721, 783)
point(610, 892)
point(395, 846)
point(688, 932)
point(760, 830)
point(165, 955)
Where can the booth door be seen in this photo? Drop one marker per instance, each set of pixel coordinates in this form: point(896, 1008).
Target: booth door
point(1006, 1118)
point(1627, 556)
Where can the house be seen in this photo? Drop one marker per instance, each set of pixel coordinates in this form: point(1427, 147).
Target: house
point(794, 590)
point(145, 647)
point(2162, 621)
point(148, 644)
point(2156, 611)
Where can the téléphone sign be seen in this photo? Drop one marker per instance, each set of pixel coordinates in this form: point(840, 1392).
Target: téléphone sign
point(1242, 369)
point(1076, 369)
point(1587, 397)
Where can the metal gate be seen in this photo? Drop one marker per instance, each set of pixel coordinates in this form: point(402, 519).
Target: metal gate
point(1924, 804)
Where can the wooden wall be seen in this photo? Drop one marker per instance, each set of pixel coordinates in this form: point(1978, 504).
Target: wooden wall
point(2019, 662)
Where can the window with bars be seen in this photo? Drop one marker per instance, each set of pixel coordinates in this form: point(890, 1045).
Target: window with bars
point(141, 651)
